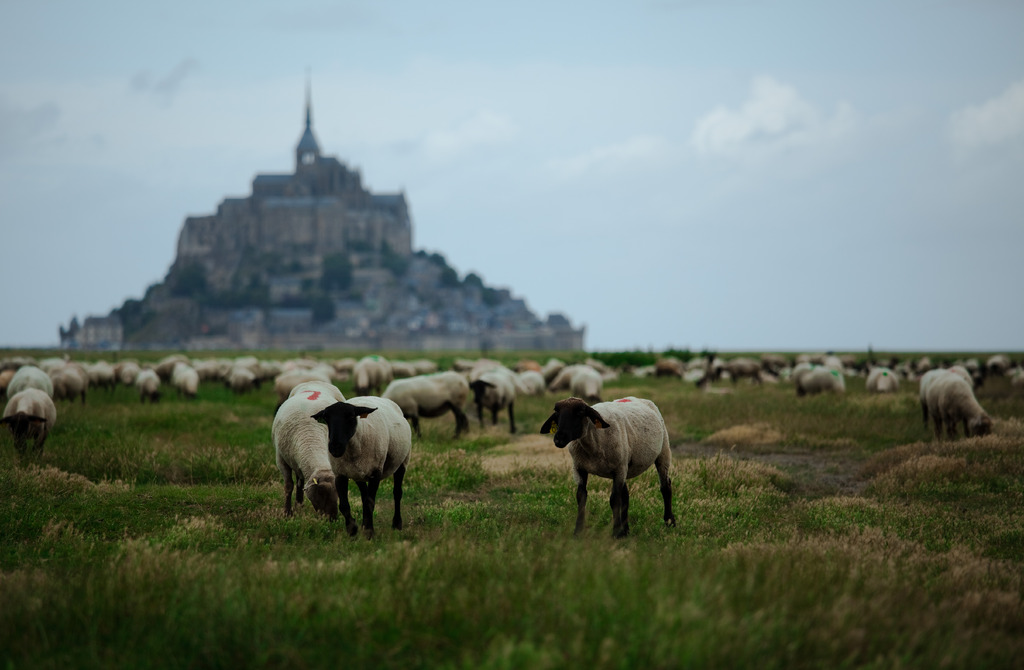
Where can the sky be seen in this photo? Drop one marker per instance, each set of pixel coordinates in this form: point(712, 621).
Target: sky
point(730, 175)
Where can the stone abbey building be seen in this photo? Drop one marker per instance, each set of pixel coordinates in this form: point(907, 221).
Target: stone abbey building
point(314, 260)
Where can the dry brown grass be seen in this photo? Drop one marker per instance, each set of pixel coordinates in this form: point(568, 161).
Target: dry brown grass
point(745, 435)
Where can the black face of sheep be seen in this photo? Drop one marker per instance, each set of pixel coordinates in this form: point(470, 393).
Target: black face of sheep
point(567, 421)
point(21, 426)
point(340, 419)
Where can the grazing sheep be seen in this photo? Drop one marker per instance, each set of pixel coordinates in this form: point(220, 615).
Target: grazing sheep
point(368, 440)
point(70, 381)
point(998, 364)
point(670, 366)
point(530, 382)
point(587, 383)
point(127, 372)
point(551, 368)
point(185, 379)
point(818, 379)
point(30, 377)
point(30, 415)
point(301, 446)
point(241, 380)
point(743, 367)
point(882, 380)
point(288, 380)
point(496, 390)
point(950, 400)
point(930, 377)
point(431, 396)
point(165, 367)
point(617, 440)
point(148, 384)
point(101, 375)
point(371, 374)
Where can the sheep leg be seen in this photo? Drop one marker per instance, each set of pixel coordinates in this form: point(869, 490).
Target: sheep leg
point(951, 427)
point(581, 500)
point(620, 507)
point(341, 486)
point(415, 420)
point(494, 416)
point(511, 418)
point(300, 487)
point(924, 413)
point(461, 422)
point(937, 419)
point(396, 521)
point(288, 485)
point(368, 491)
point(662, 466)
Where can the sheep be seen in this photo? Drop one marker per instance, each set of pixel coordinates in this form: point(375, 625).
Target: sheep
point(371, 374)
point(882, 380)
point(30, 377)
point(530, 382)
point(30, 415)
point(670, 366)
point(148, 384)
point(127, 372)
point(551, 368)
point(185, 379)
point(617, 440)
point(587, 383)
point(241, 380)
point(950, 400)
point(998, 364)
point(929, 377)
point(300, 443)
point(165, 367)
point(743, 367)
point(817, 379)
point(288, 380)
point(5, 379)
point(368, 440)
point(69, 382)
point(563, 379)
point(101, 374)
point(495, 389)
point(431, 396)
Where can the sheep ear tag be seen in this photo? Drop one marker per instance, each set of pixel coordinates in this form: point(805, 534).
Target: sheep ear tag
point(554, 428)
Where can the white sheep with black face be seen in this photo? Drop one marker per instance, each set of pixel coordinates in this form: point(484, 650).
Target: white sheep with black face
point(300, 443)
point(813, 379)
point(30, 377)
point(617, 440)
point(147, 382)
point(586, 383)
point(30, 415)
point(431, 396)
point(371, 374)
point(368, 440)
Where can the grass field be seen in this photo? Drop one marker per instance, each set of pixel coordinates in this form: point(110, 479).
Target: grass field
point(827, 531)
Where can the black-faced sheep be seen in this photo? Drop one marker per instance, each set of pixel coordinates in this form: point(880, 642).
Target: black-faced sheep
point(815, 379)
point(30, 415)
point(368, 440)
point(300, 443)
point(587, 383)
point(950, 400)
point(617, 440)
point(431, 396)
point(928, 378)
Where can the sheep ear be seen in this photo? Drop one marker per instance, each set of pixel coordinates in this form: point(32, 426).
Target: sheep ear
point(363, 412)
point(596, 418)
point(319, 417)
point(549, 426)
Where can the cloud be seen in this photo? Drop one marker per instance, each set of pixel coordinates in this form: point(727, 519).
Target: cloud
point(629, 155)
point(996, 121)
point(21, 128)
point(167, 86)
point(484, 129)
point(774, 118)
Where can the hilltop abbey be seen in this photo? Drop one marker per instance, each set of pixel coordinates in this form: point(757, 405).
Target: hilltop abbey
point(311, 260)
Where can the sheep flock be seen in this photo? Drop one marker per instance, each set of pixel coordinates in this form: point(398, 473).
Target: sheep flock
point(321, 440)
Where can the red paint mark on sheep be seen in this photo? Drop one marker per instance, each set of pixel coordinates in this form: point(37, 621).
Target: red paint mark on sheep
point(313, 395)
point(623, 400)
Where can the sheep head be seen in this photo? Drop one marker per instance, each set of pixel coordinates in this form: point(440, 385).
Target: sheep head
point(568, 421)
point(341, 420)
point(323, 495)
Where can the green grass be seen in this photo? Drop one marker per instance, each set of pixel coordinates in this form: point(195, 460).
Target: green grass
point(154, 536)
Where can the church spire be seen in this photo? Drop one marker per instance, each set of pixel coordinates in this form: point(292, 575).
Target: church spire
point(308, 150)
